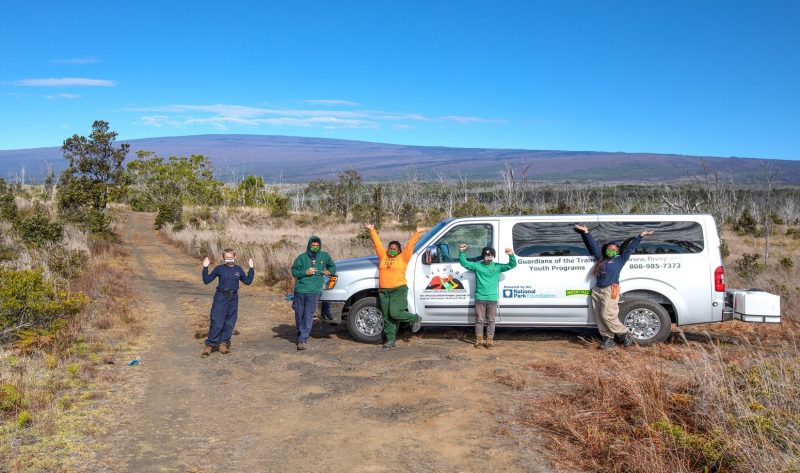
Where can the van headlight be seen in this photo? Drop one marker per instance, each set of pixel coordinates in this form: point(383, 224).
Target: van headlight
point(330, 281)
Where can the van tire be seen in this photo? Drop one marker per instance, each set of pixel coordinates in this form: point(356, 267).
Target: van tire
point(648, 321)
point(365, 320)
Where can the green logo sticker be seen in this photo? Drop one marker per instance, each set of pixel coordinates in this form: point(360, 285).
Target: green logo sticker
point(579, 292)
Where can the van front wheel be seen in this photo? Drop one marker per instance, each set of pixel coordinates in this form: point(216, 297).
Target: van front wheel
point(648, 321)
point(365, 320)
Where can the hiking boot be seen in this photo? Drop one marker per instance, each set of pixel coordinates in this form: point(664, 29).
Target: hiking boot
point(223, 348)
point(607, 344)
point(478, 341)
point(416, 325)
point(389, 344)
point(206, 351)
point(628, 340)
point(302, 346)
point(489, 341)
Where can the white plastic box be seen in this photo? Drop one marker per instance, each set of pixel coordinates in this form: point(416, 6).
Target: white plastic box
point(756, 306)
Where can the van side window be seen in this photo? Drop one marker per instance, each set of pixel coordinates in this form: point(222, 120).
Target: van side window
point(475, 235)
point(547, 239)
point(669, 237)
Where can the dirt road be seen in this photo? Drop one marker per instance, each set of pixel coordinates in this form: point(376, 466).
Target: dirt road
point(431, 404)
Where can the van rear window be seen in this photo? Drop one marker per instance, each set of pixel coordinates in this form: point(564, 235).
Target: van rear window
point(560, 239)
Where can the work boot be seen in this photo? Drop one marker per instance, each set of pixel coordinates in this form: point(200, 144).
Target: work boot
point(628, 340)
point(489, 341)
point(302, 346)
point(206, 351)
point(416, 325)
point(607, 344)
point(223, 348)
point(388, 344)
point(478, 341)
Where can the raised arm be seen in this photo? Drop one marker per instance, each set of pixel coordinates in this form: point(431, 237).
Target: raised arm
point(462, 258)
point(512, 261)
point(589, 241)
point(409, 249)
point(376, 241)
point(630, 248)
point(207, 278)
point(248, 278)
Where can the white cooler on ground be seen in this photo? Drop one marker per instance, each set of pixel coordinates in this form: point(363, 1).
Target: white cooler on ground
point(753, 305)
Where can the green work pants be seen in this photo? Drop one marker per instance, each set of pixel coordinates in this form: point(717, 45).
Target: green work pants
point(394, 306)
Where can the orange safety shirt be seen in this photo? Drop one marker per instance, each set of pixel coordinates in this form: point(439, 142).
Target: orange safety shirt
point(392, 271)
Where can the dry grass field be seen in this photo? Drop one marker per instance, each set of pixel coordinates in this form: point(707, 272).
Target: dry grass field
point(718, 397)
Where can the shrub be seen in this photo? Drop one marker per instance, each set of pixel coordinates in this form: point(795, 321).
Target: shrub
point(67, 263)
point(746, 224)
point(28, 299)
point(23, 418)
point(724, 249)
point(787, 263)
point(749, 265)
point(470, 208)
point(793, 232)
point(8, 206)
point(170, 211)
point(10, 397)
point(408, 216)
point(35, 227)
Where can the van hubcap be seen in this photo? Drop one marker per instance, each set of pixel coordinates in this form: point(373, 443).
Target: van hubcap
point(369, 321)
point(642, 323)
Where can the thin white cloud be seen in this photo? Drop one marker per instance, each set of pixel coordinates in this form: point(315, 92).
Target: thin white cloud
point(63, 96)
point(223, 116)
point(77, 60)
point(332, 102)
point(65, 82)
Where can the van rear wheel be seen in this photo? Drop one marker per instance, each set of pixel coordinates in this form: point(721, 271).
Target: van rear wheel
point(648, 321)
point(365, 320)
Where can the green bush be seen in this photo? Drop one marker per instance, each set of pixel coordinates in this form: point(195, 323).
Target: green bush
point(408, 216)
point(749, 265)
point(36, 228)
point(67, 263)
point(170, 211)
point(746, 224)
point(786, 263)
point(10, 397)
point(27, 298)
point(724, 250)
point(8, 206)
point(470, 208)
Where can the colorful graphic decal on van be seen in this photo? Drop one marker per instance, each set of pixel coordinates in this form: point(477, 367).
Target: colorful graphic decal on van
point(444, 283)
point(524, 292)
point(579, 292)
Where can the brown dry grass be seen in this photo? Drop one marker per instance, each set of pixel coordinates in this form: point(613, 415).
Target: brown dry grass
point(272, 243)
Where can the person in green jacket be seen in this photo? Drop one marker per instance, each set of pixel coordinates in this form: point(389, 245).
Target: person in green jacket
point(487, 277)
point(309, 269)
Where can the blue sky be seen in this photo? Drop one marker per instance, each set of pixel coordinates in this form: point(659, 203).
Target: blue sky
point(718, 78)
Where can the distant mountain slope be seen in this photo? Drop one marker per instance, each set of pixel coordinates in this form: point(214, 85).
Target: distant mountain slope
point(297, 159)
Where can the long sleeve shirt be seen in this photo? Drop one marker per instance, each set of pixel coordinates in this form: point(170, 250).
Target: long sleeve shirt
point(609, 268)
point(487, 276)
point(229, 277)
point(392, 270)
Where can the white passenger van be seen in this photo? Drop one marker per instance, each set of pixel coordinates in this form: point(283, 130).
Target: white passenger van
point(674, 276)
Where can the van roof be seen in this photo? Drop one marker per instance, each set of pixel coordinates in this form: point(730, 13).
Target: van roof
point(578, 218)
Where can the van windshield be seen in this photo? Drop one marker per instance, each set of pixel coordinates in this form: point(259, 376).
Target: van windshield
point(423, 240)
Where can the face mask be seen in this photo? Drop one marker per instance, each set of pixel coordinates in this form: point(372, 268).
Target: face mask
point(229, 260)
point(611, 253)
point(314, 249)
point(488, 258)
point(393, 253)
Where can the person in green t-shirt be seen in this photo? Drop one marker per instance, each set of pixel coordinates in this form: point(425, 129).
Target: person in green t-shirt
point(487, 277)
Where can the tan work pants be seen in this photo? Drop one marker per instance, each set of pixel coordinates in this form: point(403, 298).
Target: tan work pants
point(606, 312)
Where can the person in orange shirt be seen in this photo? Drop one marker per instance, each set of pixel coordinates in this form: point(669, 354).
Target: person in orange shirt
point(393, 288)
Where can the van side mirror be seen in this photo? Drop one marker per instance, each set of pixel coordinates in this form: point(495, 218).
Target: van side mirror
point(430, 255)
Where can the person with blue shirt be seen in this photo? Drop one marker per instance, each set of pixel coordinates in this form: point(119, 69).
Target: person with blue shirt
point(225, 307)
point(605, 294)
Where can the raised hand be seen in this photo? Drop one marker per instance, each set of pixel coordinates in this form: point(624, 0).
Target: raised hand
point(582, 228)
point(645, 233)
point(462, 247)
point(509, 251)
point(206, 262)
point(369, 226)
point(422, 229)
point(250, 262)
